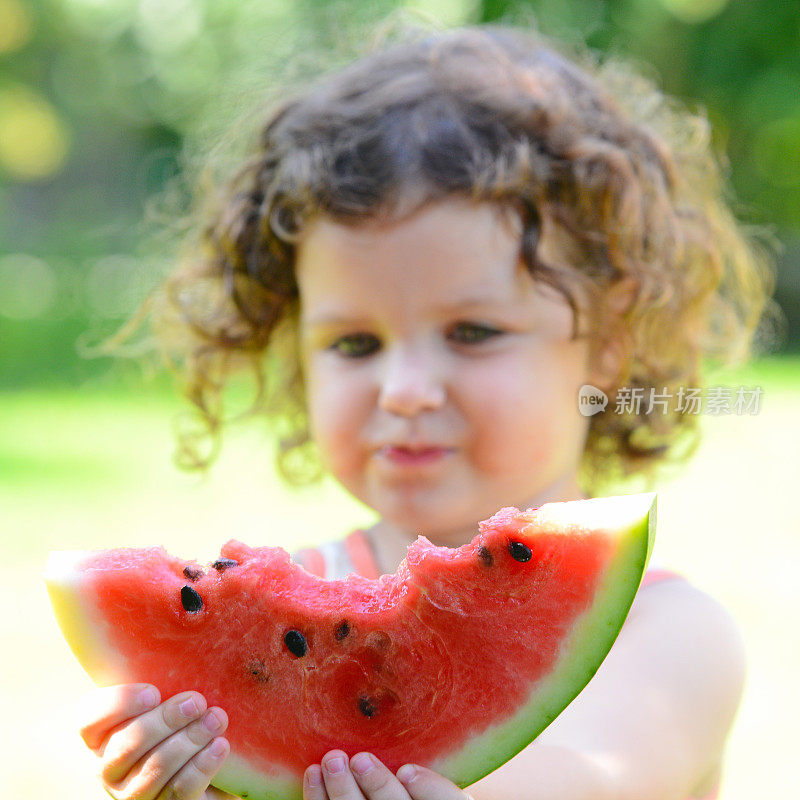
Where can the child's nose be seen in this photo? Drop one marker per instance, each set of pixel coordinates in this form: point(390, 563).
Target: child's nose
point(411, 383)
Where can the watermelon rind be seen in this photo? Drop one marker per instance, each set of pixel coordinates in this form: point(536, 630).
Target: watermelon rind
point(631, 521)
point(633, 517)
point(238, 777)
point(83, 628)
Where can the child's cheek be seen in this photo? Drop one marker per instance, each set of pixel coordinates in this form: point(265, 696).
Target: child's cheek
point(339, 411)
point(529, 419)
point(508, 442)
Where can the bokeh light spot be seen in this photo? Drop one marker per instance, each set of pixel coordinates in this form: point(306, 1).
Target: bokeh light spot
point(28, 286)
point(114, 285)
point(167, 25)
point(16, 25)
point(447, 12)
point(694, 11)
point(776, 152)
point(192, 71)
point(100, 19)
point(34, 141)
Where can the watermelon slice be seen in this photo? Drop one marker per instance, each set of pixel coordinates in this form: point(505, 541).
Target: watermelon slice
point(456, 662)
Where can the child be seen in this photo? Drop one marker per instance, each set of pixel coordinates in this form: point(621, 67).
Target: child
point(430, 253)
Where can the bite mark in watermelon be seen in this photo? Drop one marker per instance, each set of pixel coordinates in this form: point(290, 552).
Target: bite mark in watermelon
point(456, 662)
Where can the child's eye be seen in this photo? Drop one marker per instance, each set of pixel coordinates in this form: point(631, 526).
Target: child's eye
point(356, 345)
point(472, 333)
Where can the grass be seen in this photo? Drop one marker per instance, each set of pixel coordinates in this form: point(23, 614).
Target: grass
point(84, 469)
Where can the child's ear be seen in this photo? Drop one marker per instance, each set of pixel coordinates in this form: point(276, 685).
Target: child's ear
point(613, 346)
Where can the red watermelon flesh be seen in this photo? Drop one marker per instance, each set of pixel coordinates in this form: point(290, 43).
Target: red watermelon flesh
point(456, 661)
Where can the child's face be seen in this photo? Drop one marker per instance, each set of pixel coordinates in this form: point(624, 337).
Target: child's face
point(430, 332)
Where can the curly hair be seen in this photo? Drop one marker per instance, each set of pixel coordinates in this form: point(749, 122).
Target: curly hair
point(494, 114)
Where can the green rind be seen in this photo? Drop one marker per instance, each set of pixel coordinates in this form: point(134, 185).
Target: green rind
point(240, 779)
point(583, 652)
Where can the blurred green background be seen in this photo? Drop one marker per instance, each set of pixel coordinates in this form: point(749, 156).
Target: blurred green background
point(106, 104)
point(98, 98)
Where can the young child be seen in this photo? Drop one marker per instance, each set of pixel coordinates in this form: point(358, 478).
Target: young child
point(428, 255)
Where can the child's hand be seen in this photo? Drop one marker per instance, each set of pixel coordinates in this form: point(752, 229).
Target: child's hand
point(366, 778)
point(146, 747)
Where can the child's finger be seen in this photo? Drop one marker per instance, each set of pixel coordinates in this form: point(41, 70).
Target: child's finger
point(158, 768)
point(339, 781)
point(104, 709)
point(375, 779)
point(425, 784)
point(314, 784)
point(135, 738)
point(191, 781)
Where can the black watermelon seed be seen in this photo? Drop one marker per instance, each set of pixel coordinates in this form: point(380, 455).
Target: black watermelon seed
point(519, 551)
point(192, 573)
point(192, 602)
point(257, 670)
point(221, 564)
point(296, 643)
point(485, 555)
point(342, 631)
point(367, 706)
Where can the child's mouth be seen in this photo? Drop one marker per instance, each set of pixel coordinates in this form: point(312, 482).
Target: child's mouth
point(414, 456)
